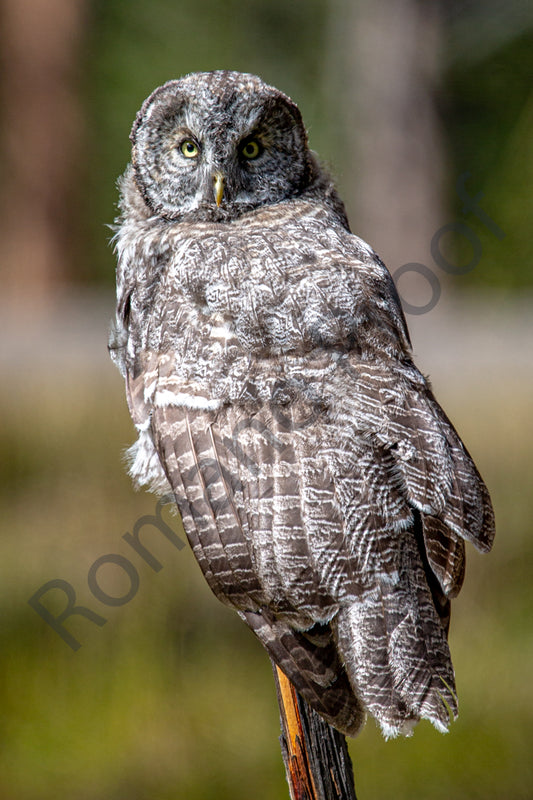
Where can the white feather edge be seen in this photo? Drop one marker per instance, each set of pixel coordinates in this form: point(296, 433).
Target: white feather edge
point(165, 397)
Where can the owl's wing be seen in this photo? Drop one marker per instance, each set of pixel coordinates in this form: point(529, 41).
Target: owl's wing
point(410, 494)
point(351, 517)
point(237, 489)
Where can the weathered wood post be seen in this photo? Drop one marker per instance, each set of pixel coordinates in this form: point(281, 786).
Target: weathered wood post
point(316, 758)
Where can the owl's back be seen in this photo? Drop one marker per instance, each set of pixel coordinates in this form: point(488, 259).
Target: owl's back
point(324, 492)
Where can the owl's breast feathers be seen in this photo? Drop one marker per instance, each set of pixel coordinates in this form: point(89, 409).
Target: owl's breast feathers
point(324, 492)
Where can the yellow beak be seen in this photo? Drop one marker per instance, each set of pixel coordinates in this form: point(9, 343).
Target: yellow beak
point(218, 187)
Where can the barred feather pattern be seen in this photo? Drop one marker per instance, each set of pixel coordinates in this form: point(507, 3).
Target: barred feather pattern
point(326, 496)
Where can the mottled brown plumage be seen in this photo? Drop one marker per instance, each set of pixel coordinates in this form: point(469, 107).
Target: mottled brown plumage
point(324, 492)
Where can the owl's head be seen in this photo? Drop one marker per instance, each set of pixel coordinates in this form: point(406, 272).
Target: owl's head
point(218, 144)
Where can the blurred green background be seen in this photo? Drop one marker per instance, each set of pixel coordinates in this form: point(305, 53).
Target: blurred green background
point(173, 697)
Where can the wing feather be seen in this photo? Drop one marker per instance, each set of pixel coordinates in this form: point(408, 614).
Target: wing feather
point(300, 523)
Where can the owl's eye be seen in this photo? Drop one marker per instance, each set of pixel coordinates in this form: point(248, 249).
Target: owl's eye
point(251, 149)
point(189, 148)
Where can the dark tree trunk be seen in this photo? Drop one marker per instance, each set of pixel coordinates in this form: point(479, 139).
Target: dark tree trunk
point(40, 43)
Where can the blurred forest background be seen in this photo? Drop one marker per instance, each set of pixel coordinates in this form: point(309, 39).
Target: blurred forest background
point(173, 697)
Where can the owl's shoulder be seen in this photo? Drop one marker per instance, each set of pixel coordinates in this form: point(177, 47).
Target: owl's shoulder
point(291, 271)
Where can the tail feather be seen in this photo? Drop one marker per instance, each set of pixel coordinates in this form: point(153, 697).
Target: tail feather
point(311, 663)
point(395, 652)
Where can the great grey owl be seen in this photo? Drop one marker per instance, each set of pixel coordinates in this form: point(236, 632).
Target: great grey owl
point(324, 492)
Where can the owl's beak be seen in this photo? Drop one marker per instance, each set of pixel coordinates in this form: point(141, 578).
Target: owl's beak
point(218, 187)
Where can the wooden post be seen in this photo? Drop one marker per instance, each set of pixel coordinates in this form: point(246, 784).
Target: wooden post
point(316, 758)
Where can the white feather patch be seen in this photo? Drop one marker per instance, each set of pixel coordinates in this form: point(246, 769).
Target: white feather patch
point(144, 465)
point(221, 333)
point(165, 397)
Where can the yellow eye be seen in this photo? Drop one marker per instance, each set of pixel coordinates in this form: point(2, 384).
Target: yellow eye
point(189, 148)
point(251, 149)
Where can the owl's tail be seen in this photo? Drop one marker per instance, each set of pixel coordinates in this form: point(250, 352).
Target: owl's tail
point(395, 652)
point(310, 661)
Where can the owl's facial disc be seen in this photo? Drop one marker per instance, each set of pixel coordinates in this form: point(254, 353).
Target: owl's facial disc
point(217, 145)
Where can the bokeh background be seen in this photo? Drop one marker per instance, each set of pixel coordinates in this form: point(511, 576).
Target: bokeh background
point(173, 697)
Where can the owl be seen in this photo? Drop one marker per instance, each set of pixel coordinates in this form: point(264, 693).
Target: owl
point(325, 494)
